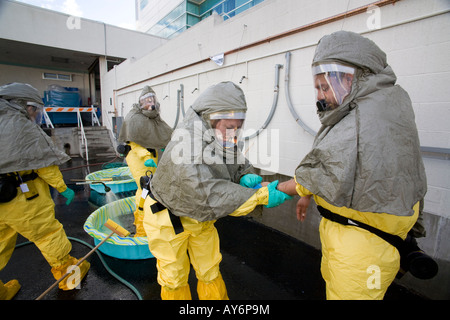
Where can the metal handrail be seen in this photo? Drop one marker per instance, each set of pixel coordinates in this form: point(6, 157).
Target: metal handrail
point(83, 134)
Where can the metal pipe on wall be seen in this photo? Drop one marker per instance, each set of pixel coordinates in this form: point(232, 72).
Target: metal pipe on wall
point(274, 103)
point(288, 98)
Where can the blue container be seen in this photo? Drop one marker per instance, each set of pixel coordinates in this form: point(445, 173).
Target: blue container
point(129, 248)
point(123, 181)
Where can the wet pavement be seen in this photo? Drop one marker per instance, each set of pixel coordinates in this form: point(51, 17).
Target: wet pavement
point(258, 263)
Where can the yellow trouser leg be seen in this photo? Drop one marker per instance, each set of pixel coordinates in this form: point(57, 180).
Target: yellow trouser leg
point(73, 280)
point(173, 262)
point(35, 220)
point(181, 293)
point(9, 290)
point(214, 290)
point(356, 264)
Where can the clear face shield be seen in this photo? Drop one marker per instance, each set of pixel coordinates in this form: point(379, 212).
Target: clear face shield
point(228, 127)
point(333, 83)
point(35, 112)
point(149, 102)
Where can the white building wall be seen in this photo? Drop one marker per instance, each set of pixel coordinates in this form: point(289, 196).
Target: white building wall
point(415, 35)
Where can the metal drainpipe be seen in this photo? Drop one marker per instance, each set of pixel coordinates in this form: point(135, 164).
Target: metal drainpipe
point(288, 98)
point(274, 103)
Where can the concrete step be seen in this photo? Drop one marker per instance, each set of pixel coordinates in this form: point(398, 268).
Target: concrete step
point(98, 141)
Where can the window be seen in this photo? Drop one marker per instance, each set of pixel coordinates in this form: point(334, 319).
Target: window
point(143, 4)
point(56, 76)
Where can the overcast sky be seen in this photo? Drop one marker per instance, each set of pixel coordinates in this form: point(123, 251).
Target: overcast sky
point(120, 13)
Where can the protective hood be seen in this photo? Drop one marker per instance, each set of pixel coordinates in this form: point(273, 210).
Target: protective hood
point(366, 156)
point(195, 178)
point(145, 127)
point(25, 145)
point(20, 91)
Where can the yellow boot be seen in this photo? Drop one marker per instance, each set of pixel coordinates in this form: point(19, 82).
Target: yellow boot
point(214, 290)
point(9, 290)
point(72, 280)
point(182, 293)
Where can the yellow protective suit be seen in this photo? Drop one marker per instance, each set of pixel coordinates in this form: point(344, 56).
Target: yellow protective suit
point(201, 240)
point(357, 264)
point(135, 160)
point(35, 220)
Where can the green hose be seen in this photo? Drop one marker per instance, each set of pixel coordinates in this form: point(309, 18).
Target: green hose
point(115, 275)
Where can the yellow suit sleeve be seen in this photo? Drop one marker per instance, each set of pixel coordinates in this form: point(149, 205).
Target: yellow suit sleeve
point(260, 197)
point(53, 176)
point(301, 190)
point(142, 153)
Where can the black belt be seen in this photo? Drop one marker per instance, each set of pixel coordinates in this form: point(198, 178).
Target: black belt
point(176, 221)
point(396, 241)
point(21, 179)
point(28, 177)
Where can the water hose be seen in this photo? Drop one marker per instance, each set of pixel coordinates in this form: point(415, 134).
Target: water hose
point(112, 273)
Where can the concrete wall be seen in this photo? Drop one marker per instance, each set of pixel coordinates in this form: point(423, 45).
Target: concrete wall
point(415, 35)
point(54, 29)
point(33, 76)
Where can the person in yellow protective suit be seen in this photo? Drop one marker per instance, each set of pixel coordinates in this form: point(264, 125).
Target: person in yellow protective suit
point(28, 165)
point(201, 177)
point(145, 134)
point(365, 165)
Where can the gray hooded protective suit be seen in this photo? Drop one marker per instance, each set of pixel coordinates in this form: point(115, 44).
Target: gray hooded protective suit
point(25, 146)
point(145, 127)
point(195, 176)
point(366, 156)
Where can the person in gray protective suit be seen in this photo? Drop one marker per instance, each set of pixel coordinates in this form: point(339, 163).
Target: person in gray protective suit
point(364, 170)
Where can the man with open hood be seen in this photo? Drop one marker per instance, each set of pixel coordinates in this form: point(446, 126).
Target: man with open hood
point(145, 134)
point(365, 167)
point(28, 165)
point(202, 176)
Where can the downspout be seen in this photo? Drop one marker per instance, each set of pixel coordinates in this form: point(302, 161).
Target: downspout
point(274, 103)
point(288, 98)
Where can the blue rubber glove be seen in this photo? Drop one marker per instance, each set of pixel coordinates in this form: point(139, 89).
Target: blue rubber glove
point(250, 180)
point(150, 163)
point(69, 194)
point(276, 197)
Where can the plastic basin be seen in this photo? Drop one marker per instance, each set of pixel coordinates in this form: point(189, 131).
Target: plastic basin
point(119, 184)
point(129, 248)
